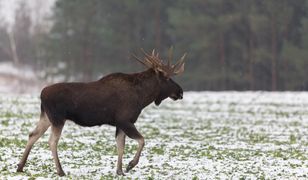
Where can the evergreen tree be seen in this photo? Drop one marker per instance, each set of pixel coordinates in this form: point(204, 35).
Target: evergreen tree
point(231, 45)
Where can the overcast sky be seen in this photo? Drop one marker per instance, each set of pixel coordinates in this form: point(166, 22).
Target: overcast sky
point(8, 8)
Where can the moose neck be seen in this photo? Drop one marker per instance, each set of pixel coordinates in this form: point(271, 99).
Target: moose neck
point(149, 87)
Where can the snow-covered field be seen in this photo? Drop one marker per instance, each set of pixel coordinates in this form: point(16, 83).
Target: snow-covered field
point(18, 79)
point(225, 135)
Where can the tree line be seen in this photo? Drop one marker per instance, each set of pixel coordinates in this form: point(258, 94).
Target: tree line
point(231, 45)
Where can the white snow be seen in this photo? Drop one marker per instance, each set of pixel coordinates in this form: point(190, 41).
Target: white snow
point(208, 135)
point(18, 79)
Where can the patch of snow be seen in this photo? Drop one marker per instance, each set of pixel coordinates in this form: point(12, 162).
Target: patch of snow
point(18, 79)
point(208, 135)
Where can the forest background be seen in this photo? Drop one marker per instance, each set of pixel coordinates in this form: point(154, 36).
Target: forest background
point(231, 45)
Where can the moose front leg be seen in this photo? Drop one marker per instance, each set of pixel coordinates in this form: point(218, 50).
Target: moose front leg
point(131, 131)
point(120, 138)
point(135, 161)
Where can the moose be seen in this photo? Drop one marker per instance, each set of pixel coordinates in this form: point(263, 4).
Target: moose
point(116, 99)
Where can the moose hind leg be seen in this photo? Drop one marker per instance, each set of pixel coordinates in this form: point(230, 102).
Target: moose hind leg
point(120, 138)
point(53, 143)
point(131, 131)
point(40, 129)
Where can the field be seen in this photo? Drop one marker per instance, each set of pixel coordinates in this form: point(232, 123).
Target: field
point(208, 135)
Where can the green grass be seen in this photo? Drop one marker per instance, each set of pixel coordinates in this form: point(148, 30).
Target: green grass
point(207, 135)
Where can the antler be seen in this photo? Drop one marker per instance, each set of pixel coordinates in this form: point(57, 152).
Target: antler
point(155, 62)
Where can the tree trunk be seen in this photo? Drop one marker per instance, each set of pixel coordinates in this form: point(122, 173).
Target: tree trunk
point(157, 26)
point(274, 54)
point(88, 44)
point(67, 54)
point(86, 61)
point(13, 48)
point(86, 55)
point(222, 60)
point(251, 61)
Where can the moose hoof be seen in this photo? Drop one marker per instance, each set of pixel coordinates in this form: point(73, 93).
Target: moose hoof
point(120, 172)
point(61, 173)
point(130, 166)
point(19, 168)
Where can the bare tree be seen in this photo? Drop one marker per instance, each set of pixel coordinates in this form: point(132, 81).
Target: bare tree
point(14, 54)
point(20, 37)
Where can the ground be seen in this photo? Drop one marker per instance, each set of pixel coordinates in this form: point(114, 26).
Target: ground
point(207, 135)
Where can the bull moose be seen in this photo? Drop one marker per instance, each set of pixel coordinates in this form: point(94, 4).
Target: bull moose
point(116, 99)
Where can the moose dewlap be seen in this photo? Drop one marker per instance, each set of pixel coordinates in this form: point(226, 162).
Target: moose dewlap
point(116, 99)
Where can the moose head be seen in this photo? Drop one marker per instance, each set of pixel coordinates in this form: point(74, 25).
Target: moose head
point(164, 72)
